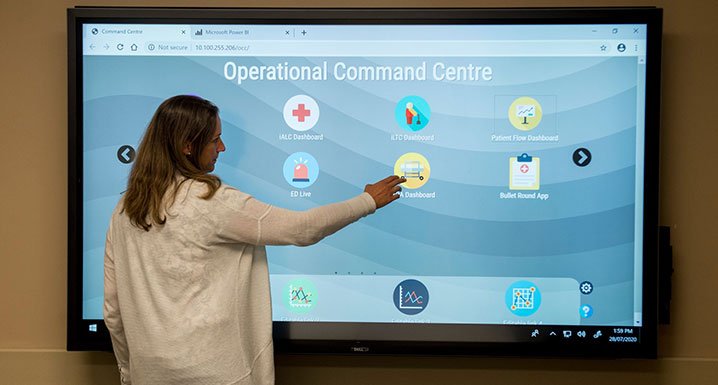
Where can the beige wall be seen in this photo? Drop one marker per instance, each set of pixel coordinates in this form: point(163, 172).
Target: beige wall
point(34, 193)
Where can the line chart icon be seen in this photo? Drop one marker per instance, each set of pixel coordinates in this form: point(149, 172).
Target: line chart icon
point(411, 297)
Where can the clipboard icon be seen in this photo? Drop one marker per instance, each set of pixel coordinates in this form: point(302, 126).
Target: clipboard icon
point(524, 172)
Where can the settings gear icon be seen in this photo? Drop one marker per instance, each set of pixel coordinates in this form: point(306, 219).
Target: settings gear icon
point(586, 287)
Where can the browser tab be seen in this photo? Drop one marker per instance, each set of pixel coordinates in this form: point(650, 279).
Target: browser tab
point(220, 32)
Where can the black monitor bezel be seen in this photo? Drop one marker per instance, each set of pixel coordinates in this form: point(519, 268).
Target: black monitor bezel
point(291, 337)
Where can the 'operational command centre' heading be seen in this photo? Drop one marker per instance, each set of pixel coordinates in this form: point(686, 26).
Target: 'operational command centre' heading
point(341, 71)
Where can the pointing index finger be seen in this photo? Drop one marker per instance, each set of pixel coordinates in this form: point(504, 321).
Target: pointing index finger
point(389, 178)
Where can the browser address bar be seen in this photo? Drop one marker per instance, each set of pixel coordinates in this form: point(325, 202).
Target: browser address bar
point(395, 48)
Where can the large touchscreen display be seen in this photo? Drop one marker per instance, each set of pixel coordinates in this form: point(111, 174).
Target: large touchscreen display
point(522, 147)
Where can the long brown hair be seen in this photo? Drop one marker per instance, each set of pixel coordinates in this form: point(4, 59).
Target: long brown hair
point(162, 164)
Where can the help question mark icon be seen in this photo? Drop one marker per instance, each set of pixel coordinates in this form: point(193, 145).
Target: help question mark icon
point(586, 311)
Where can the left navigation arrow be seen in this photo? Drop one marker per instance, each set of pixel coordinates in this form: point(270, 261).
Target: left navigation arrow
point(126, 154)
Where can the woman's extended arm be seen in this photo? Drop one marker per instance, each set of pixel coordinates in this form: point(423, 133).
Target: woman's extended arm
point(258, 223)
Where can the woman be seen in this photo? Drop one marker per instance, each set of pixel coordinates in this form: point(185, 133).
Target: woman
point(187, 296)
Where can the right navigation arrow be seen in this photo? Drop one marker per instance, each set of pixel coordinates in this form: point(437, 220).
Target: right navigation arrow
point(581, 157)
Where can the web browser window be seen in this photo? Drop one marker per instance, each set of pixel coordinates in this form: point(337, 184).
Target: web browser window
point(522, 146)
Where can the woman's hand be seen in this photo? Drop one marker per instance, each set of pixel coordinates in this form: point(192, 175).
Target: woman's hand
point(385, 191)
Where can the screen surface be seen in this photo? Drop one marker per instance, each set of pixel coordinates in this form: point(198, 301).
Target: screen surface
point(524, 147)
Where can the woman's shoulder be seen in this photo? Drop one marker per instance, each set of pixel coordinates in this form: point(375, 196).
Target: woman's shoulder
point(231, 196)
point(225, 193)
point(201, 187)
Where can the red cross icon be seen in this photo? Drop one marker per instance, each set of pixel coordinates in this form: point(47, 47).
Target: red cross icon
point(524, 168)
point(301, 112)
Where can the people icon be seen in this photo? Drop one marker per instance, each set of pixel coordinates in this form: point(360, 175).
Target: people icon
point(412, 113)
